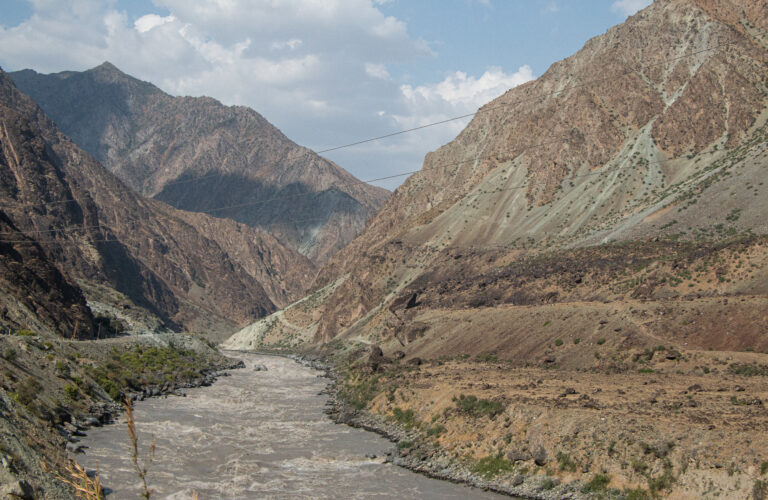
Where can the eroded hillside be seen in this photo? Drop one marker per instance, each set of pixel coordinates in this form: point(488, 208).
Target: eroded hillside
point(199, 155)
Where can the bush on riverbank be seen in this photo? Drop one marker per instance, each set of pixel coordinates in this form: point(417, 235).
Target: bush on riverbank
point(142, 366)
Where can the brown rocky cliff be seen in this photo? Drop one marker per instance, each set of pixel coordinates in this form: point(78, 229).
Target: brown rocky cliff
point(198, 155)
point(95, 228)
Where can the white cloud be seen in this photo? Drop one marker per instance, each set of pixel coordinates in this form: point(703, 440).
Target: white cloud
point(146, 23)
point(629, 7)
point(459, 93)
point(377, 71)
point(292, 44)
point(319, 70)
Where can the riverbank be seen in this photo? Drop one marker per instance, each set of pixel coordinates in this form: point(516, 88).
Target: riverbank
point(539, 432)
point(53, 390)
point(413, 450)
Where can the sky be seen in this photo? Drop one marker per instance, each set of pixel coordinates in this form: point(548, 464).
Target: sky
point(325, 72)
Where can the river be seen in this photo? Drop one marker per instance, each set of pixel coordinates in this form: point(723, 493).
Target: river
point(255, 434)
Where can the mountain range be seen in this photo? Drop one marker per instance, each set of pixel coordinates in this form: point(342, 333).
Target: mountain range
point(78, 243)
point(196, 154)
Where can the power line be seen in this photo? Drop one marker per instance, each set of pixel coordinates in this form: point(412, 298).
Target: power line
point(647, 163)
point(369, 181)
point(421, 127)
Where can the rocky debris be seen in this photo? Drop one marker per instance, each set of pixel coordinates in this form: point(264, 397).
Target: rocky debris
point(519, 455)
point(398, 355)
point(259, 368)
point(75, 448)
point(414, 362)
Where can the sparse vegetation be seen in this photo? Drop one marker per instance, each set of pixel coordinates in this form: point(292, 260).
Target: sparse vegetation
point(475, 407)
point(492, 466)
point(566, 463)
point(142, 366)
point(748, 370)
point(27, 391)
point(404, 417)
point(599, 482)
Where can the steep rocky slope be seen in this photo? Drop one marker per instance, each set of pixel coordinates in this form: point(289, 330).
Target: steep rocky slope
point(69, 220)
point(198, 155)
point(606, 220)
point(656, 128)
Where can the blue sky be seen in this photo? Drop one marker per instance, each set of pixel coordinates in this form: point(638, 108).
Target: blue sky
point(326, 73)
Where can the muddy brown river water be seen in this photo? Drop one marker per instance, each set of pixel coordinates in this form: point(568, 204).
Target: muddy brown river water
point(255, 435)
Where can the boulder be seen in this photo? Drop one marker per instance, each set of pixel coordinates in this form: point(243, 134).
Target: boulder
point(259, 368)
point(539, 454)
point(75, 448)
point(414, 361)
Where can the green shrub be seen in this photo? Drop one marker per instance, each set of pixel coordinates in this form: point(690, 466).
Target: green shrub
point(359, 394)
point(599, 482)
point(764, 467)
point(435, 430)
point(748, 370)
point(26, 333)
point(548, 484)
point(636, 494)
point(142, 366)
point(71, 391)
point(478, 407)
point(28, 391)
point(10, 354)
point(601, 341)
point(404, 417)
point(401, 445)
point(558, 342)
point(566, 462)
point(576, 341)
point(663, 482)
point(487, 358)
point(492, 466)
point(639, 467)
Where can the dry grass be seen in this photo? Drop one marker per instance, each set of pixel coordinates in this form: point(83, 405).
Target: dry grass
point(141, 469)
point(84, 485)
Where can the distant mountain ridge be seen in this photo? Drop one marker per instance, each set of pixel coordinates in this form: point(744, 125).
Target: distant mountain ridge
point(199, 155)
point(72, 231)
